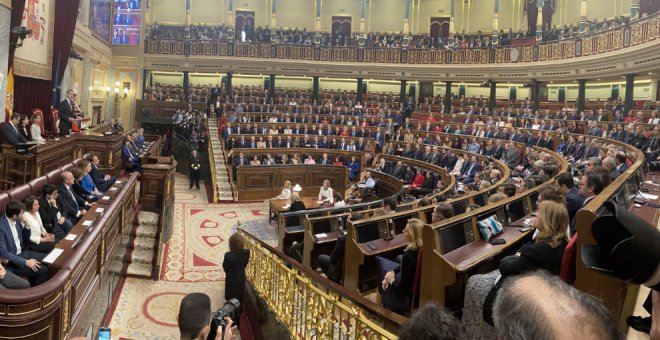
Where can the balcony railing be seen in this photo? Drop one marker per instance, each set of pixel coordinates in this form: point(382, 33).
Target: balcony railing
point(638, 32)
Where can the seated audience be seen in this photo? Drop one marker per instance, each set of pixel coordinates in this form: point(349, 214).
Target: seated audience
point(545, 252)
point(10, 131)
point(326, 196)
point(103, 182)
point(296, 203)
point(74, 205)
point(41, 241)
point(35, 129)
point(442, 211)
point(333, 264)
point(52, 212)
point(131, 158)
point(396, 289)
point(23, 127)
point(14, 245)
point(542, 306)
point(9, 280)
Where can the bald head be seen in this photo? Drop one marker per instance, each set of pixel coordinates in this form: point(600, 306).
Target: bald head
point(539, 306)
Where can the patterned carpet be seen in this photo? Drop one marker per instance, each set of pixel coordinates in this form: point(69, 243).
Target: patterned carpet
point(192, 262)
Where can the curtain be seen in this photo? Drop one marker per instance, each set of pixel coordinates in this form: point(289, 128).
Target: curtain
point(16, 17)
point(66, 14)
point(30, 93)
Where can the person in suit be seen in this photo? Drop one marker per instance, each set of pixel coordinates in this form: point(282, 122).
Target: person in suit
point(573, 199)
point(591, 184)
point(132, 160)
point(511, 156)
point(396, 288)
point(545, 252)
point(195, 164)
point(333, 264)
point(103, 182)
point(14, 240)
point(24, 127)
point(234, 263)
point(9, 280)
point(296, 203)
point(324, 160)
point(10, 132)
point(52, 212)
point(66, 115)
point(74, 205)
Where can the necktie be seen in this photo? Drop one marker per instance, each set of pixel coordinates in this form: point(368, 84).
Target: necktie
point(73, 197)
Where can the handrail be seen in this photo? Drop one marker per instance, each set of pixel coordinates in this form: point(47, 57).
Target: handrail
point(214, 183)
point(308, 304)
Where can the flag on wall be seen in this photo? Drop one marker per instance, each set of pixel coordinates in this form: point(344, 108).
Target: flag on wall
point(9, 106)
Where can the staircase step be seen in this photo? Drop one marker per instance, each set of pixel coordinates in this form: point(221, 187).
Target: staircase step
point(145, 243)
point(139, 269)
point(147, 230)
point(142, 256)
point(147, 218)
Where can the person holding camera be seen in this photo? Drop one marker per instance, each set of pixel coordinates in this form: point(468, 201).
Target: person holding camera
point(195, 319)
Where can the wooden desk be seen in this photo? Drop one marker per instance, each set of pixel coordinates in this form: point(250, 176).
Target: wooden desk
point(276, 206)
point(22, 168)
point(265, 181)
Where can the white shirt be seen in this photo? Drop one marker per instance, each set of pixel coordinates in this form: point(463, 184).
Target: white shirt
point(14, 232)
point(327, 193)
point(36, 226)
point(286, 193)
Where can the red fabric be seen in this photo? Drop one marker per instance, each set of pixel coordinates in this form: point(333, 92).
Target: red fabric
point(567, 271)
point(31, 93)
point(66, 14)
point(418, 181)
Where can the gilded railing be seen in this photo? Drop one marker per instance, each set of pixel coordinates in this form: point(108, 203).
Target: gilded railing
point(302, 305)
point(212, 166)
point(635, 33)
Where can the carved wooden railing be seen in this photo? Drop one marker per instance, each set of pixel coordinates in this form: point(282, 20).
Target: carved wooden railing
point(310, 306)
point(632, 34)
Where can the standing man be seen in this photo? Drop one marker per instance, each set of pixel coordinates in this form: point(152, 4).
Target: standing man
point(195, 164)
point(65, 111)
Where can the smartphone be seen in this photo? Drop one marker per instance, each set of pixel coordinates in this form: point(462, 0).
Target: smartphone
point(104, 333)
point(525, 229)
point(498, 241)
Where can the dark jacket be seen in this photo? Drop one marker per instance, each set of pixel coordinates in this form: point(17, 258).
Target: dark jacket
point(11, 135)
point(48, 216)
point(336, 269)
point(234, 266)
point(71, 207)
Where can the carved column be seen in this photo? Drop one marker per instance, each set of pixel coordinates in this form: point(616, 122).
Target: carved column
point(88, 68)
point(582, 90)
point(634, 10)
point(362, 16)
point(628, 103)
point(317, 24)
point(273, 14)
point(406, 18)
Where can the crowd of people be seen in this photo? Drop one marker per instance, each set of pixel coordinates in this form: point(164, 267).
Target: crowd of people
point(197, 93)
point(30, 229)
point(191, 125)
point(301, 36)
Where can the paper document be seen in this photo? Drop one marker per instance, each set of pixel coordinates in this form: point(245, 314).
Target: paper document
point(88, 223)
point(113, 189)
point(321, 235)
point(70, 237)
point(100, 210)
point(105, 197)
point(53, 255)
point(118, 182)
point(649, 196)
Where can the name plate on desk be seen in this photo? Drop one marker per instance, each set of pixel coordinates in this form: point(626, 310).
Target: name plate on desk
point(54, 254)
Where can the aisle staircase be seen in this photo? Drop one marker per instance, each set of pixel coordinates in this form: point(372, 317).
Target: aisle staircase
point(223, 189)
point(140, 256)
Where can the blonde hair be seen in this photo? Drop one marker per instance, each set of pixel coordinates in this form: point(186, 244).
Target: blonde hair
point(552, 223)
point(287, 184)
point(295, 196)
point(414, 231)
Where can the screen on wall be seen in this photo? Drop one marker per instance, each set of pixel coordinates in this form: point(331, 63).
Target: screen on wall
point(99, 18)
point(126, 20)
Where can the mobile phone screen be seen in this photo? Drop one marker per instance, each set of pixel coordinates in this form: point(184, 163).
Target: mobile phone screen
point(104, 334)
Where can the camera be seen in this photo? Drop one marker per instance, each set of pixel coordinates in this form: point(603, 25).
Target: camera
point(231, 309)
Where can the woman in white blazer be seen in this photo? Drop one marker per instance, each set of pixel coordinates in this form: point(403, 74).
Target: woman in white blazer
point(40, 240)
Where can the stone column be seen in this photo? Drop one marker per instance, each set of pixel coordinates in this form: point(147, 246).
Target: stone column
point(583, 16)
point(315, 88)
point(628, 102)
point(363, 28)
point(317, 24)
point(358, 97)
point(402, 92)
point(273, 14)
point(634, 10)
point(88, 68)
point(581, 99)
point(272, 86)
point(492, 96)
point(451, 19)
point(447, 100)
point(406, 18)
point(188, 16)
point(228, 83)
point(230, 17)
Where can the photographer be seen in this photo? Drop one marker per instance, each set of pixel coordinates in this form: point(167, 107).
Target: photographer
point(194, 319)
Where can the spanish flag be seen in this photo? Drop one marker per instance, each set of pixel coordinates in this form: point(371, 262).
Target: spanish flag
point(9, 106)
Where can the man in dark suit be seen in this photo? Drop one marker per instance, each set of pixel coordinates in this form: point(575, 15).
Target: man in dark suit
point(65, 112)
point(195, 164)
point(74, 205)
point(591, 185)
point(52, 212)
point(399, 171)
point(14, 239)
point(10, 134)
point(324, 160)
point(102, 182)
point(573, 199)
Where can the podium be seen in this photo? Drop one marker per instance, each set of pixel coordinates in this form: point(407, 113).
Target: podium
point(22, 166)
point(157, 182)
